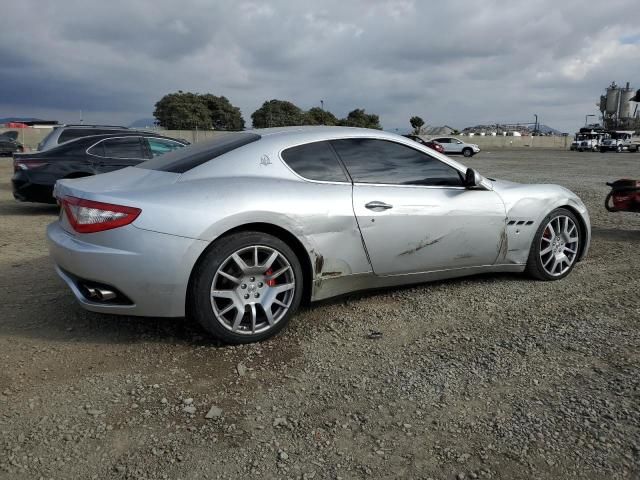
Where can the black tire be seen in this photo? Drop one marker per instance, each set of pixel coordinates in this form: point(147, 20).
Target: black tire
point(199, 296)
point(534, 267)
point(467, 152)
point(603, 150)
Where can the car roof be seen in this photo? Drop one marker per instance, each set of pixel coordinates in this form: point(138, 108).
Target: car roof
point(130, 133)
point(83, 125)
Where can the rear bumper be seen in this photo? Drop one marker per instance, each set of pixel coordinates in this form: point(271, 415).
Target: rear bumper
point(25, 191)
point(151, 270)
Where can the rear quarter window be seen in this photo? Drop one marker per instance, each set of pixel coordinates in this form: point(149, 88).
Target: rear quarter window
point(315, 161)
point(184, 159)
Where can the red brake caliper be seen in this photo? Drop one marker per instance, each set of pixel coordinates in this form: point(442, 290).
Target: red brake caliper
point(271, 282)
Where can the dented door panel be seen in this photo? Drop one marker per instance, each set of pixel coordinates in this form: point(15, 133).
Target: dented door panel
point(429, 228)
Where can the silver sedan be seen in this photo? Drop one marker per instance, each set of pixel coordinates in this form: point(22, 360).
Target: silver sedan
point(239, 231)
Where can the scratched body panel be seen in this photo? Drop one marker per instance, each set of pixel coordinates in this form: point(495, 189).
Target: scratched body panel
point(429, 228)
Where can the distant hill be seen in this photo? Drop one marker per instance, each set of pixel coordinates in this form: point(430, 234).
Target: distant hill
point(143, 123)
point(548, 129)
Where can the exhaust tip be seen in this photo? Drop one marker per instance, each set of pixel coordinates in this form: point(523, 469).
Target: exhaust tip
point(100, 294)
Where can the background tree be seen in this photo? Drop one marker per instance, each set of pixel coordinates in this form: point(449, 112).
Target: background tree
point(186, 110)
point(182, 111)
point(277, 113)
point(359, 118)
point(417, 123)
point(224, 116)
point(318, 116)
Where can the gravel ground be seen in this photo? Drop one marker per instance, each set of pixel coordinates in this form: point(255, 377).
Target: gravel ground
point(493, 376)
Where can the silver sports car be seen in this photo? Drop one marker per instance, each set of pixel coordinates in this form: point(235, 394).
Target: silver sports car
point(238, 231)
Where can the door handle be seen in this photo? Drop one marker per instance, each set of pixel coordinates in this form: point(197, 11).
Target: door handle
point(377, 206)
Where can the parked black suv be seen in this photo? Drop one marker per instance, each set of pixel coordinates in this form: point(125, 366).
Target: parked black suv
point(35, 174)
point(66, 133)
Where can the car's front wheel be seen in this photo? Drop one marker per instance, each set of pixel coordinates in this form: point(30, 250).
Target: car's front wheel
point(467, 152)
point(246, 288)
point(555, 247)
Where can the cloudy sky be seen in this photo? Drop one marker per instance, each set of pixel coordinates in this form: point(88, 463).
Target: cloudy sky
point(459, 62)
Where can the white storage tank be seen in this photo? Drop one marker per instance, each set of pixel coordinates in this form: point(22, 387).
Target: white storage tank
point(613, 96)
point(626, 94)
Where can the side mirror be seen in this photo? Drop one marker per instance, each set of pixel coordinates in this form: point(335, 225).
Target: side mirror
point(472, 178)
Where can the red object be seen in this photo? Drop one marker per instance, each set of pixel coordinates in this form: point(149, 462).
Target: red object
point(272, 282)
point(19, 164)
point(624, 196)
point(16, 125)
point(87, 216)
point(435, 146)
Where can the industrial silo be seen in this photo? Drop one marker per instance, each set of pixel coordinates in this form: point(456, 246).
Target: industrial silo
point(603, 103)
point(613, 96)
point(626, 94)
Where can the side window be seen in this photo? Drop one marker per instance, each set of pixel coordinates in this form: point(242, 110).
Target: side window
point(72, 134)
point(315, 161)
point(126, 147)
point(443, 140)
point(381, 161)
point(159, 146)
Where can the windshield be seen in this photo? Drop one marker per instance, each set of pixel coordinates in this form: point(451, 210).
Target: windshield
point(184, 159)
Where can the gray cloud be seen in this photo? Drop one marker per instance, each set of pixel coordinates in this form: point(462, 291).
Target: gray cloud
point(457, 63)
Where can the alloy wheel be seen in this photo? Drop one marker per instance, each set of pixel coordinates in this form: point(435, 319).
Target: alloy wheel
point(559, 245)
point(252, 290)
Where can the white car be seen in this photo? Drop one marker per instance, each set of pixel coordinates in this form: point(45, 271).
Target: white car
point(453, 145)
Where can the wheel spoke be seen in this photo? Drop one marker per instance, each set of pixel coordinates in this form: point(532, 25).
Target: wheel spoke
point(551, 230)
point(240, 262)
point(567, 249)
point(548, 261)
point(255, 256)
point(230, 307)
point(224, 294)
point(229, 277)
point(572, 239)
point(269, 314)
point(254, 316)
point(272, 258)
point(237, 320)
point(546, 250)
point(278, 302)
point(283, 288)
point(277, 273)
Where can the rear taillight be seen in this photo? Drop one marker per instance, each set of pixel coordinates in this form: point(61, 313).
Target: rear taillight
point(19, 164)
point(87, 216)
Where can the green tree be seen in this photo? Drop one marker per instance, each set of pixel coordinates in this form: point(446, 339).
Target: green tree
point(182, 111)
point(186, 110)
point(359, 118)
point(417, 123)
point(277, 113)
point(318, 116)
point(224, 116)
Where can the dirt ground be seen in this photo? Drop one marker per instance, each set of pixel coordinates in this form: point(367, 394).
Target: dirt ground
point(494, 376)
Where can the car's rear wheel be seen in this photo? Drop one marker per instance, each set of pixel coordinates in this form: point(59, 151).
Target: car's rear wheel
point(247, 287)
point(467, 152)
point(555, 247)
